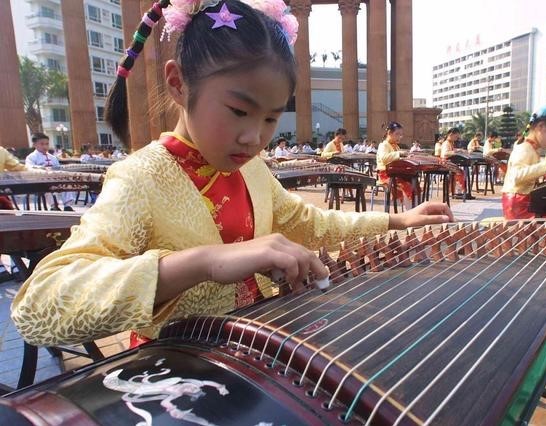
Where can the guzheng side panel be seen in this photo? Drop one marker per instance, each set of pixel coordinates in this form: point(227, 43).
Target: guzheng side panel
point(172, 385)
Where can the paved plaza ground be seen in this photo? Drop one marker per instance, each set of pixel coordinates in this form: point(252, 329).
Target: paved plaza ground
point(11, 344)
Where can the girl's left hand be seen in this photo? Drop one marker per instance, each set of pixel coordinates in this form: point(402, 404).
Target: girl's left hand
point(424, 214)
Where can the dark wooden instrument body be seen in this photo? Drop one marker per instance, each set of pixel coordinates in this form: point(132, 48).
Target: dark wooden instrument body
point(538, 200)
point(350, 160)
point(296, 177)
point(414, 165)
point(467, 159)
point(34, 230)
point(465, 297)
point(501, 155)
point(15, 183)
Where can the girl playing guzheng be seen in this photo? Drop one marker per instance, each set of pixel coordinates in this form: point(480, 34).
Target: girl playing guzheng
point(448, 149)
point(184, 218)
point(9, 163)
point(525, 167)
point(387, 152)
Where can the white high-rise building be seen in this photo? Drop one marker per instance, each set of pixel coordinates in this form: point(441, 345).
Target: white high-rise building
point(492, 77)
point(105, 45)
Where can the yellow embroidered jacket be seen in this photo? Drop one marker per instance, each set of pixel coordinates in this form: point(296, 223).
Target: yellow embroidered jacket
point(330, 149)
point(386, 153)
point(473, 145)
point(103, 279)
point(9, 162)
point(524, 168)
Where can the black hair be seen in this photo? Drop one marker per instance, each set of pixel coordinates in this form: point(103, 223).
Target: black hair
point(493, 134)
point(281, 139)
point(341, 131)
point(391, 126)
point(202, 53)
point(37, 136)
point(453, 130)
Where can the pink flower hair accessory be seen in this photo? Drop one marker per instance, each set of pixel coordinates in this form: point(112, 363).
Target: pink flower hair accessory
point(179, 14)
point(279, 12)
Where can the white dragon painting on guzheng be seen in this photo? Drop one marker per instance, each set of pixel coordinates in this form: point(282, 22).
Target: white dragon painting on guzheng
point(140, 388)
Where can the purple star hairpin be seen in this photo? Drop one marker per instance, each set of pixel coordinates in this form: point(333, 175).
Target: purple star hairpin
point(224, 18)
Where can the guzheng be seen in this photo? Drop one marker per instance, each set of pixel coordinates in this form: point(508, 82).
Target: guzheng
point(34, 230)
point(538, 200)
point(29, 182)
point(442, 326)
point(467, 159)
point(84, 168)
point(502, 155)
point(304, 173)
point(413, 165)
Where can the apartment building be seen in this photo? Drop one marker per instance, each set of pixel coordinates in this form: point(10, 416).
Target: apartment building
point(105, 45)
point(489, 78)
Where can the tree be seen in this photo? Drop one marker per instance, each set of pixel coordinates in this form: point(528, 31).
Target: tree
point(508, 126)
point(324, 58)
point(477, 124)
point(522, 119)
point(313, 57)
point(37, 82)
point(336, 56)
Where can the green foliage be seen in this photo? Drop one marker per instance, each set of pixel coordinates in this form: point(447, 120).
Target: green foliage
point(508, 126)
point(477, 124)
point(37, 82)
point(522, 119)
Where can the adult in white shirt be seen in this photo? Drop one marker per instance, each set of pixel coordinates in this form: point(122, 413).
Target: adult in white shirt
point(281, 151)
point(40, 157)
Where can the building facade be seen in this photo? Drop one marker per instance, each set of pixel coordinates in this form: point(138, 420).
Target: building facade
point(490, 79)
point(105, 45)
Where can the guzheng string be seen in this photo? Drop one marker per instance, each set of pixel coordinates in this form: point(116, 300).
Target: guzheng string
point(379, 328)
point(463, 350)
point(415, 342)
point(355, 246)
point(333, 271)
point(369, 318)
point(347, 283)
point(331, 312)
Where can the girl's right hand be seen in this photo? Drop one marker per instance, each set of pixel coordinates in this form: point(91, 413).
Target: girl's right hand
point(230, 263)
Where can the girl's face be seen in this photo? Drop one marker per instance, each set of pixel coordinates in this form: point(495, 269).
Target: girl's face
point(453, 137)
point(396, 135)
point(235, 115)
point(540, 133)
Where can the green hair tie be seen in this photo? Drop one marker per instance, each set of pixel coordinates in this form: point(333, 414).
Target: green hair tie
point(139, 37)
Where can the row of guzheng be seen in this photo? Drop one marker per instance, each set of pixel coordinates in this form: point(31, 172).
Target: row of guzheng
point(302, 173)
point(433, 326)
point(35, 181)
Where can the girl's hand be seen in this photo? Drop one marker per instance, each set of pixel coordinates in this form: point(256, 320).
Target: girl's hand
point(230, 263)
point(424, 214)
